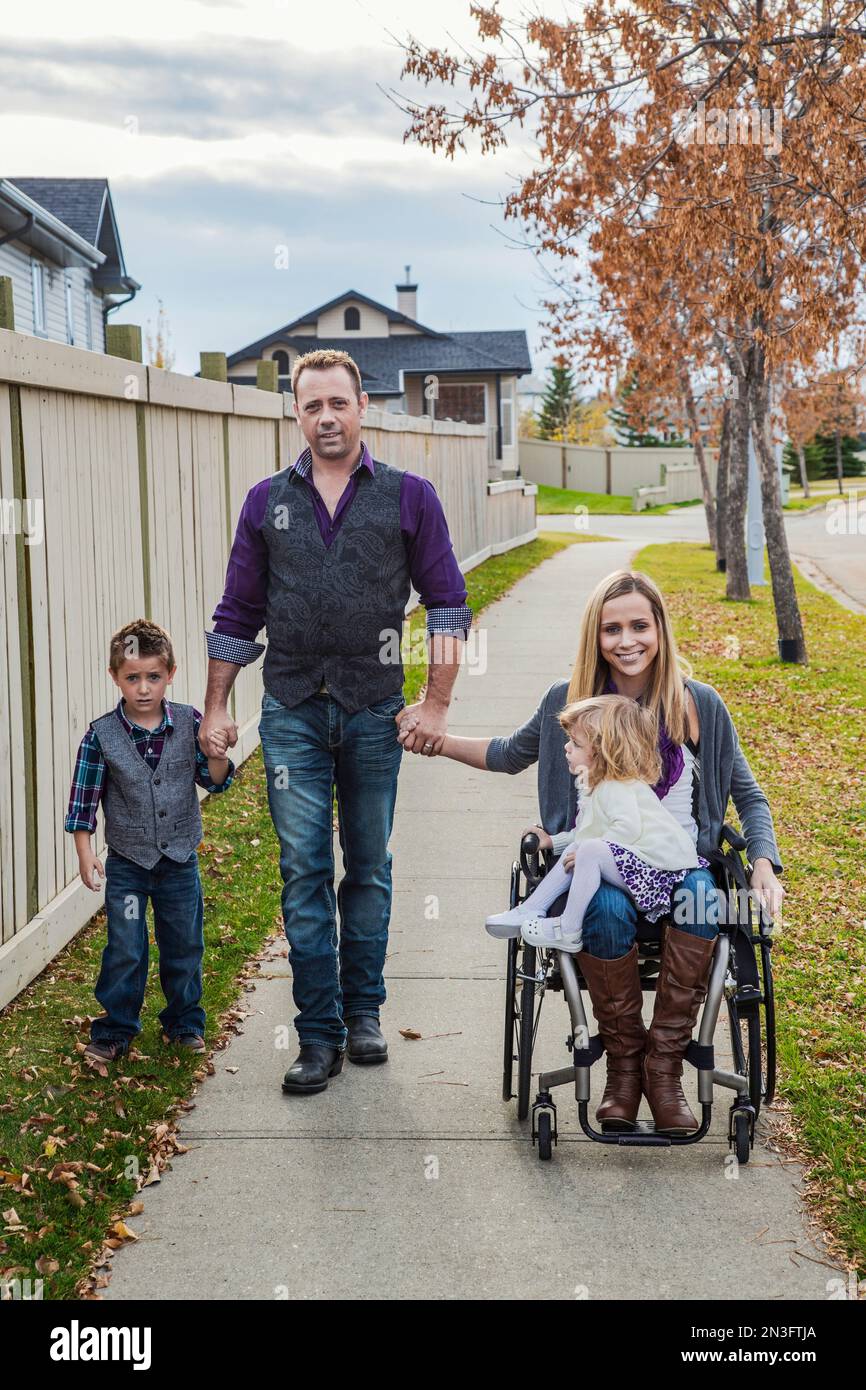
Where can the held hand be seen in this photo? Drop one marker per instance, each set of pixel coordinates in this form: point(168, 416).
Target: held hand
point(767, 888)
point(220, 723)
point(567, 860)
point(92, 872)
point(544, 840)
point(422, 728)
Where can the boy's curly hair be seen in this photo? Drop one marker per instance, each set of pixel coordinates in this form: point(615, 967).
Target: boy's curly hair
point(140, 638)
point(622, 734)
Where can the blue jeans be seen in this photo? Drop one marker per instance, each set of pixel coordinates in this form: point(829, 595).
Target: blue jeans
point(175, 894)
point(610, 922)
point(307, 751)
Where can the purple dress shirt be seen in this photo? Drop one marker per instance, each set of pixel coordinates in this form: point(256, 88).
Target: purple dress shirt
point(433, 568)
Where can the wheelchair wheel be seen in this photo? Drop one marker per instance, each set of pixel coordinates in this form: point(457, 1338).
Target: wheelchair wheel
point(747, 1048)
point(512, 1017)
point(525, 1032)
point(545, 1136)
point(769, 1024)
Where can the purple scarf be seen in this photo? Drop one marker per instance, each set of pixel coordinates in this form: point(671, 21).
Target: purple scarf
point(670, 753)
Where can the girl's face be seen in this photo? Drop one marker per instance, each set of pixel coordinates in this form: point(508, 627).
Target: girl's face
point(578, 751)
point(628, 636)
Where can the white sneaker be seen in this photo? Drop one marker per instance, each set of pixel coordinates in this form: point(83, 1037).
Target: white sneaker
point(548, 932)
point(506, 925)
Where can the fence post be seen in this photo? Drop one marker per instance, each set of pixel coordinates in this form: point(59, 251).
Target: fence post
point(267, 375)
point(563, 454)
point(608, 473)
point(7, 306)
point(213, 366)
point(124, 340)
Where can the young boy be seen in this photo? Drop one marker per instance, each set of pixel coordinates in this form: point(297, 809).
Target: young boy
point(142, 760)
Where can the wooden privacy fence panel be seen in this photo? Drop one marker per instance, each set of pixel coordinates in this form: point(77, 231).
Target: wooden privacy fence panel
point(616, 470)
point(138, 476)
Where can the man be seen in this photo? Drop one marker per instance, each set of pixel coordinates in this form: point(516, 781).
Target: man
point(323, 557)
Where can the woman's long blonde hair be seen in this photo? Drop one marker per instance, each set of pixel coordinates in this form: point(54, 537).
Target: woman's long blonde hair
point(665, 694)
point(622, 734)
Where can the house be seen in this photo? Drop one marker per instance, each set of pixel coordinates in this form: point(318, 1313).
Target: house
point(407, 367)
point(60, 246)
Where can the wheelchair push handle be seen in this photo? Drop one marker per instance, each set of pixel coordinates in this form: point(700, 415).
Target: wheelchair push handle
point(529, 847)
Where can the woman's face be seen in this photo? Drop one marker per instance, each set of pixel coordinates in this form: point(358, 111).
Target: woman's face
point(628, 636)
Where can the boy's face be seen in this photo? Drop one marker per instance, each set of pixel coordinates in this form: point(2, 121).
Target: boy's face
point(142, 682)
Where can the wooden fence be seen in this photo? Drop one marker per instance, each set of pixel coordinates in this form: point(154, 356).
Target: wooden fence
point(120, 487)
point(615, 470)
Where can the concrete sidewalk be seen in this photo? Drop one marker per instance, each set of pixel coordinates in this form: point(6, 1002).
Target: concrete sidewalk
point(414, 1180)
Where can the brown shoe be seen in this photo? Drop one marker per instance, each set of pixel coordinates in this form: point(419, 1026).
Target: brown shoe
point(107, 1050)
point(191, 1042)
point(681, 989)
point(617, 996)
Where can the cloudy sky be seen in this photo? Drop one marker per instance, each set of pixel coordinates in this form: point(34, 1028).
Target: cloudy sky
point(232, 128)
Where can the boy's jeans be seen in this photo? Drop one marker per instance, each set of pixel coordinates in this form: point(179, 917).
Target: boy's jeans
point(306, 751)
point(178, 914)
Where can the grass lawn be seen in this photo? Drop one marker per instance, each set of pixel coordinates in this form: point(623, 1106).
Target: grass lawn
point(556, 501)
point(75, 1146)
point(802, 730)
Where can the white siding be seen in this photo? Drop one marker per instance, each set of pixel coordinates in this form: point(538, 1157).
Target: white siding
point(16, 260)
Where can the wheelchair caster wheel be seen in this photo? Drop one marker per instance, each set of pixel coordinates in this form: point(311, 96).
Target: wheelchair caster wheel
point(741, 1133)
point(545, 1137)
point(544, 1127)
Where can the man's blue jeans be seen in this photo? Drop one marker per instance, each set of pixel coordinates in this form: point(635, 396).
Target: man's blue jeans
point(175, 894)
point(307, 751)
point(610, 922)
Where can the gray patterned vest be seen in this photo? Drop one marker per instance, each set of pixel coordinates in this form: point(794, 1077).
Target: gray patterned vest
point(328, 606)
point(150, 812)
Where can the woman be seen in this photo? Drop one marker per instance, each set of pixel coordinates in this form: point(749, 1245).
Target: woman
point(627, 646)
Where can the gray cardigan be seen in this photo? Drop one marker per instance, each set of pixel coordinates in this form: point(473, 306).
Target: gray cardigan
point(724, 772)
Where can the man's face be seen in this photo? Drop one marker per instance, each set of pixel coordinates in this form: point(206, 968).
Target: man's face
point(329, 412)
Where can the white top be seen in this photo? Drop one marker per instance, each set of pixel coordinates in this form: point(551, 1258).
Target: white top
point(630, 814)
point(678, 799)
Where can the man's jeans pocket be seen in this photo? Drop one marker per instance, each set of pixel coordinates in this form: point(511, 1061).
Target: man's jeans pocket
point(388, 708)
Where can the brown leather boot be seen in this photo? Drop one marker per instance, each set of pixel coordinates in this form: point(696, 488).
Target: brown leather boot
point(680, 991)
point(615, 990)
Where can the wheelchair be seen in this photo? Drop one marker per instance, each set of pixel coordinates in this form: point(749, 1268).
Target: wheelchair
point(741, 973)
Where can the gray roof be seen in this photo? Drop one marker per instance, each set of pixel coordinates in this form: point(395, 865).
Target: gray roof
point(381, 360)
point(77, 202)
point(85, 206)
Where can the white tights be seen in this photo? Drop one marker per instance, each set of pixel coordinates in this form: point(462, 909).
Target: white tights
point(593, 864)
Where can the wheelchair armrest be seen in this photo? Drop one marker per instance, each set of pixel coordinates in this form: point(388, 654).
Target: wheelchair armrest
point(734, 839)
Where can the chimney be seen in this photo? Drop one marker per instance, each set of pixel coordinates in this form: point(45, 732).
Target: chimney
point(407, 297)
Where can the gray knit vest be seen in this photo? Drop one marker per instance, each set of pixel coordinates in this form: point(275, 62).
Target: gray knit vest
point(328, 606)
point(150, 812)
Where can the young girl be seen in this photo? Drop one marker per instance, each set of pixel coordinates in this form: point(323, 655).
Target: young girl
point(623, 835)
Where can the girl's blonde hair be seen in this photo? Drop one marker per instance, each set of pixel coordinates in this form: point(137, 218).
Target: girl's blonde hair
point(622, 734)
point(665, 695)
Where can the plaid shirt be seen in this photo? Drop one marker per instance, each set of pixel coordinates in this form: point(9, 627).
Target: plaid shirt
point(88, 781)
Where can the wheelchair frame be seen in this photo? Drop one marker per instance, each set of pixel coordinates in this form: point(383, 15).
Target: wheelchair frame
point(734, 976)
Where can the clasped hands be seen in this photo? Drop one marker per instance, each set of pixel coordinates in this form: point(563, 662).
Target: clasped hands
point(422, 727)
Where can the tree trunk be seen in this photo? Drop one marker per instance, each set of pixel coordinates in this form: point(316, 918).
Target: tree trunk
point(839, 469)
point(698, 446)
point(736, 566)
point(722, 487)
point(792, 643)
point(804, 476)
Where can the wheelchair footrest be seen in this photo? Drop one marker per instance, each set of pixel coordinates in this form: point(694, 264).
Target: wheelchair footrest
point(701, 1055)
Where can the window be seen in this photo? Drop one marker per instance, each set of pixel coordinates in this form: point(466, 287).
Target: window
point(352, 318)
point(464, 401)
point(282, 360)
point(37, 271)
point(70, 310)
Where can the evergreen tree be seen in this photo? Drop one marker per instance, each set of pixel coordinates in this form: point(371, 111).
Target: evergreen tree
point(628, 435)
point(558, 403)
point(825, 451)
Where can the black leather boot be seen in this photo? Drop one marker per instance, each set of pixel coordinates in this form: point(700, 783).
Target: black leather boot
point(312, 1069)
point(366, 1044)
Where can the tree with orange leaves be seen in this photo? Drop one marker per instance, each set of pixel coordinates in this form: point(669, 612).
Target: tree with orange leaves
point(720, 142)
